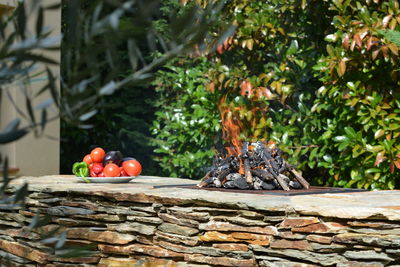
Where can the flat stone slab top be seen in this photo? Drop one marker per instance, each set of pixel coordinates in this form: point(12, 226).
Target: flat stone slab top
point(148, 189)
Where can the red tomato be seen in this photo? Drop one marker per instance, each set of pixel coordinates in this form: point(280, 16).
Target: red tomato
point(132, 167)
point(101, 175)
point(97, 154)
point(93, 174)
point(111, 170)
point(97, 167)
point(88, 159)
point(122, 172)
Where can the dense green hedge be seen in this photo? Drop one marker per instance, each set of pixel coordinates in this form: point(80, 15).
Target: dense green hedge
point(316, 77)
point(187, 125)
point(358, 108)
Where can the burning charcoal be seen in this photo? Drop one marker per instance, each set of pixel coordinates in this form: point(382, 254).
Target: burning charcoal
point(223, 174)
point(257, 183)
point(263, 174)
point(276, 184)
point(217, 182)
point(235, 164)
point(255, 162)
point(268, 186)
point(241, 183)
point(229, 184)
point(263, 166)
point(274, 165)
point(224, 164)
point(266, 154)
point(233, 176)
point(260, 184)
point(295, 185)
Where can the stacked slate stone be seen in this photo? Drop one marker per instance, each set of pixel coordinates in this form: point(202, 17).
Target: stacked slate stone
point(126, 229)
point(263, 168)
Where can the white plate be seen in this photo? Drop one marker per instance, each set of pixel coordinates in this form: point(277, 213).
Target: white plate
point(112, 180)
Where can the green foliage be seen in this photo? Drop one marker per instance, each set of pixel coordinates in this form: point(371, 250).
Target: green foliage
point(358, 107)
point(262, 74)
point(392, 36)
point(187, 125)
point(268, 67)
point(320, 79)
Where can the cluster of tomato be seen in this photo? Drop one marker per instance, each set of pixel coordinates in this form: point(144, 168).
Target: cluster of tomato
point(111, 167)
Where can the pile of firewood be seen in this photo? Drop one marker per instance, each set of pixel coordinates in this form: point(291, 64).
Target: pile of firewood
point(257, 167)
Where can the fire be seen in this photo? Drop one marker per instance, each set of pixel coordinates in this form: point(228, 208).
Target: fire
point(240, 122)
point(231, 127)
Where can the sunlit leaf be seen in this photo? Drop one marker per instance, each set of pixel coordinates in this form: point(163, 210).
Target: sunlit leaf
point(386, 20)
point(397, 163)
point(394, 49)
point(327, 158)
point(340, 138)
point(331, 38)
point(345, 41)
point(374, 148)
point(379, 133)
point(373, 170)
point(380, 157)
point(392, 168)
point(358, 40)
point(342, 67)
point(350, 132)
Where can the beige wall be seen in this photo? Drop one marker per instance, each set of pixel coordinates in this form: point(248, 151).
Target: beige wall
point(33, 155)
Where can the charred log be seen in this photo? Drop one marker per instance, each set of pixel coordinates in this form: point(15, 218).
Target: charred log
point(300, 179)
point(247, 171)
point(283, 181)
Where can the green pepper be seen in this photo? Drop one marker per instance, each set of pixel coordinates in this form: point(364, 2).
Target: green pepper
point(80, 169)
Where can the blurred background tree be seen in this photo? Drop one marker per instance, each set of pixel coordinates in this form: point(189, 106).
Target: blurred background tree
point(95, 67)
point(123, 120)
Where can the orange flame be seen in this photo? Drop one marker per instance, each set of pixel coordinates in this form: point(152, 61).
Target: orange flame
point(236, 128)
point(231, 127)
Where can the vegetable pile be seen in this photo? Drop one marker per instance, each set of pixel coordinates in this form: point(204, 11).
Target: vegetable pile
point(101, 164)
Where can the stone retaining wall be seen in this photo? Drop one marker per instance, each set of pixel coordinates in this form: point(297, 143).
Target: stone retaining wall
point(143, 230)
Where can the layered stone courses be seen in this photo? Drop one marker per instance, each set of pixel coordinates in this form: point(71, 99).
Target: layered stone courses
point(181, 228)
